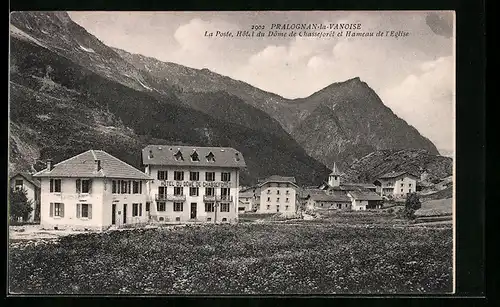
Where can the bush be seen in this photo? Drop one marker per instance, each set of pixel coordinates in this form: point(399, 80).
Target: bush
point(20, 207)
point(412, 204)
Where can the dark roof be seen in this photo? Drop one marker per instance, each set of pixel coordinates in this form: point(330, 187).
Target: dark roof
point(28, 177)
point(164, 155)
point(277, 178)
point(330, 197)
point(365, 195)
point(83, 165)
point(395, 174)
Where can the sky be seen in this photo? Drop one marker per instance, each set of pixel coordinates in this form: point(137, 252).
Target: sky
point(413, 75)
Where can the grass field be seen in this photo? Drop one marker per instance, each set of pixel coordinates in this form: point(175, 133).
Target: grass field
point(248, 258)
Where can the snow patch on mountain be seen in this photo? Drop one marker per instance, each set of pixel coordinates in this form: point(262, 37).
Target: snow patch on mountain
point(87, 49)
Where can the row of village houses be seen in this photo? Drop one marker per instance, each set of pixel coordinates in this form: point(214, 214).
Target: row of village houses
point(95, 190)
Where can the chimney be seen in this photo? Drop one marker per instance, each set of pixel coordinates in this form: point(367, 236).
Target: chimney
point(49, 165)
point(97, 165)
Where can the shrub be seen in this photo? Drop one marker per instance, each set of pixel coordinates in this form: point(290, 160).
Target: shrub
point(19, 205)
point(412, 204)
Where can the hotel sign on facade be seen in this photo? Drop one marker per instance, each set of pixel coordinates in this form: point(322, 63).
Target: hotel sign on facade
point(195, 184)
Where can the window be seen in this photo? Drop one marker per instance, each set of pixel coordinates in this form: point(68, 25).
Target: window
point(224, 207)
point(287, 192)
point(162, 190)
point(209, 219)
point(409, 190)
point(194, 176)
point(277, 208)
point(210, 191)
point(268, 207)
point(268, 191)
point(160, 206)
point(55, 185)
point(178, 156)
point(401, 190)
point(194, 157)
point(84, 211)
point(224, 191)
point(178, 206)
point(339, 206)
point(137, 210)
point(210, 157)
point(286, 207)
point(124, 186)
point(178, 175)
point(19, 185)
point(269, 199)
point(225, 176)
point(137, 187)
point(193, 191)
point(209, 207)
point(210, 176)
point(162, 175)
point(178, 191)
point(177, 218)
point(278, 192)
point(56, 209)
point(277, 199)
point(401, 184)
point(113, 189)
point(147, 206)
point(224, 219)
point(83, 185)
point(287, 200)
point(409, 185)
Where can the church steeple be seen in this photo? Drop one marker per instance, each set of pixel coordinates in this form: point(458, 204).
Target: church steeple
point(334, 177)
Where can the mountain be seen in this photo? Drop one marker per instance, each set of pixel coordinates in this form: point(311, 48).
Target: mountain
point(340, 123)
point(417, 162)
point(69, 93)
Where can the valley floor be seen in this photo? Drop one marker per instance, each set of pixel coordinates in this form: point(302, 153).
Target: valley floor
point(343, 253)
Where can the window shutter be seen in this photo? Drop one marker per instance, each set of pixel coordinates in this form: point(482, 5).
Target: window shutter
point(90, 186)
point(90, 211)
point(51, 185)
point(140, 187)
point(129, 189)
point(51, 209)
point(140, 209)
point(78, 210)
point(62, 210)
point(78, 184)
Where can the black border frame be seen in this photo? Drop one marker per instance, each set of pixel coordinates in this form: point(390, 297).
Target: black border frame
point(470, 142)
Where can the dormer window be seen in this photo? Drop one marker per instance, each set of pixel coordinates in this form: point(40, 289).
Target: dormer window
point(194, 157)
point(210, 157)
point(178, 156)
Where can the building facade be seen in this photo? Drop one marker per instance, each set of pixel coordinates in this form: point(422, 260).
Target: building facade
point(278, 194)
point(26, 182)
point(396, 184)
point(328, 201)
point(246, 201)
point(364, 199)
point(193, 183)
point(92, 190)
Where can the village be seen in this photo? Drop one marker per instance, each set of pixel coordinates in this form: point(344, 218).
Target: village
point(185, 184)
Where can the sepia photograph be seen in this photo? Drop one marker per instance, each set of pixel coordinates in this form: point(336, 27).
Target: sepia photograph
point(231, 153)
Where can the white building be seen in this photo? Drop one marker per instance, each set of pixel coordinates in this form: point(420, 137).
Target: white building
point(277, 194)
point(92, 190)
point(246, 201)
point(396, 184)
point(192, 183)
point(26, 182)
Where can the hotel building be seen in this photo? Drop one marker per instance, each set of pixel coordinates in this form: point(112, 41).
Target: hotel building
point(193, 183)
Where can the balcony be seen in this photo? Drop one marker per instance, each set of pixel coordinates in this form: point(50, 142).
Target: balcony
point(170, 197)
point(224, 198)
point(209, 198)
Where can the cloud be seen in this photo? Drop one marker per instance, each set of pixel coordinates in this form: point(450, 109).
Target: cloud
point(425, 99)
point(441, 23)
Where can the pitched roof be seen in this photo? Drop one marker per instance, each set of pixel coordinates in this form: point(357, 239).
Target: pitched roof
point(335, 171)
point(28, 177)
point(278, 179)
point(330, 197)
point(83, 165)
point(245, 194)
point(365, 195)
point(395, 174)
point(165, 155)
